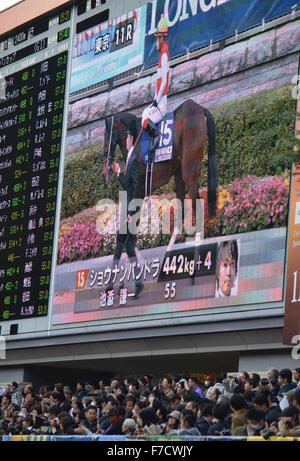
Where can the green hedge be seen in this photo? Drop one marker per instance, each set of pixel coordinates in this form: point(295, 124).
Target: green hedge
point(249, 135)
point(248, 142)
point(83, 180)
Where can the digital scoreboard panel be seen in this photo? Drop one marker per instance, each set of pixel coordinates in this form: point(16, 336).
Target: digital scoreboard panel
point(32, 101)
point(31, 118)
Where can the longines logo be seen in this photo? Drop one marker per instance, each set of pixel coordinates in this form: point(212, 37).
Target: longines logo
point(296, 293)
point(182, 11)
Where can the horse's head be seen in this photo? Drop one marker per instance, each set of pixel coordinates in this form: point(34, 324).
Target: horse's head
point(110, 142)
point(116, 128)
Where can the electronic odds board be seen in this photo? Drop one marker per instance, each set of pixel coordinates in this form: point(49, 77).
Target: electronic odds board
point(33, 69)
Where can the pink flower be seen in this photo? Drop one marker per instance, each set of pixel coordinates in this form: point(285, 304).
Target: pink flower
point(255, 202)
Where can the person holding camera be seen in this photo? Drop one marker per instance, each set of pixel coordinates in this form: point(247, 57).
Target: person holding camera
point(271, 429)
point(288, 425)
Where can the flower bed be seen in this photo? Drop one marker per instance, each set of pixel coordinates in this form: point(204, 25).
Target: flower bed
point(81, 241)
point(246, 205)
point(255, 204)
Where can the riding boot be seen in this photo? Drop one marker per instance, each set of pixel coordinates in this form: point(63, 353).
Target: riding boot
point(154, 137)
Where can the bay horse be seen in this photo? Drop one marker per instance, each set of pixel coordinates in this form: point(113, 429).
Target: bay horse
point(193, 124)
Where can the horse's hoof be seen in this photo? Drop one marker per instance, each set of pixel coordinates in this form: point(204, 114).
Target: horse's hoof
point(138, 290)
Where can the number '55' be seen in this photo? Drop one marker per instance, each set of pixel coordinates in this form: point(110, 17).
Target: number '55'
point(170, 292)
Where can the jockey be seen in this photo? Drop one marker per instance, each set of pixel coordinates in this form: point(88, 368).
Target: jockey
point(153, 114)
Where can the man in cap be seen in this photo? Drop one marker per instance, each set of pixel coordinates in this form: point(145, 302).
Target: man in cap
point(116, 422)
point(153, 114)
point(209, 381)
point(173, 420)
point(129, 180)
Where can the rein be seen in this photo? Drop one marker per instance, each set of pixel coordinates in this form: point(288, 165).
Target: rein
point(138, 138)
point(109, 147)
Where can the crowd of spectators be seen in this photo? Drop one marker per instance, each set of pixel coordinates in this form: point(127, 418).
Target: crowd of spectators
point(242, 405)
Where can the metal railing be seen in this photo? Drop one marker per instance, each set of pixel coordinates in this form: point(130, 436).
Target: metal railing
point(141, 438)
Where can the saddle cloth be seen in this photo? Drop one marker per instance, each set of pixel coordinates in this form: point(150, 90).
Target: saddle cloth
point(164, 150)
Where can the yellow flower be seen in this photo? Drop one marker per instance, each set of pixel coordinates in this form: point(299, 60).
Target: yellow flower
point(287, 183)
point(223, 197)
point(63, 230)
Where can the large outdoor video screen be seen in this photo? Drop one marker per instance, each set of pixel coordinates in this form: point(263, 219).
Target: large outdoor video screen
point(217, 181)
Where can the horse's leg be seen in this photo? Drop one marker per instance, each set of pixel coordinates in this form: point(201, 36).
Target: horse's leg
point(138, 254)
point(194, 135)
point(197, 211)
point(180, 194)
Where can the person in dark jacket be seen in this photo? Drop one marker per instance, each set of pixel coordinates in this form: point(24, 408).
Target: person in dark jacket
point(220, 426)
point(116, 422)
point(80, 390)
point(285, 381)
point(89, 424)
point(148, 422)
point(204, 422)
point(129, 180)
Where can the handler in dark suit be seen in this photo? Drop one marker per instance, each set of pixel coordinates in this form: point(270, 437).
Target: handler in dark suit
point(129, 180)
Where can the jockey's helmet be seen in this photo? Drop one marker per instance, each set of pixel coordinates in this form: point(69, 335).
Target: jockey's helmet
point(162, 28)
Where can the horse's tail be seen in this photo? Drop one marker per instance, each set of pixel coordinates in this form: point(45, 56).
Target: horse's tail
point(212, 170)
